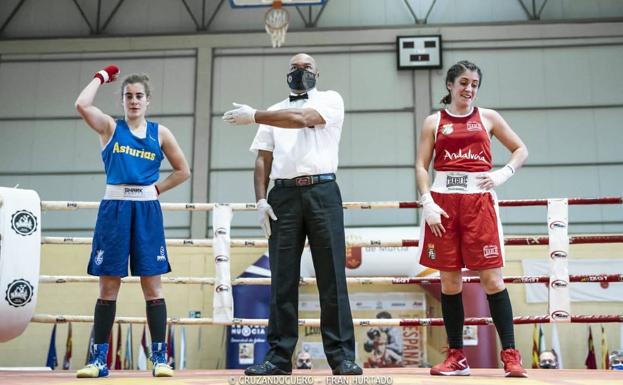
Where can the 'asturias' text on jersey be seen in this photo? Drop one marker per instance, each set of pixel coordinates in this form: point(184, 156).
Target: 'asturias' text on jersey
point(133, 152)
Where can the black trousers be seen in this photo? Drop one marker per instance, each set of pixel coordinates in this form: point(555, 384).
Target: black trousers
point(313, 212)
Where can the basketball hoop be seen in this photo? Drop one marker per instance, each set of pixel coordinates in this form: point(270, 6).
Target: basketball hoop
point(276, 22)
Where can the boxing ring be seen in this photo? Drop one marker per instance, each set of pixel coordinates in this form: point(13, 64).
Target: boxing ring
point(558, 241)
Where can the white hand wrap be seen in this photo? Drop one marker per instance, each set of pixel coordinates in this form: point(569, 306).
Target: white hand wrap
point(502, 175)
point(430, 210)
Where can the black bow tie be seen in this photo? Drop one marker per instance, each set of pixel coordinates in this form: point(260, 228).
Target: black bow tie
point(298, 96)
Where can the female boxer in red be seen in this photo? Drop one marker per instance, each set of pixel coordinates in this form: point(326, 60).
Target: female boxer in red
point(460, 221)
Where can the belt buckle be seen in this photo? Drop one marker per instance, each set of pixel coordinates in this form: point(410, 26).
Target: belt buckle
point(303, 181)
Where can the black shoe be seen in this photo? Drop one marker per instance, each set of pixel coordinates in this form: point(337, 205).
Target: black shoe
point(266, 369)
point(347, 368)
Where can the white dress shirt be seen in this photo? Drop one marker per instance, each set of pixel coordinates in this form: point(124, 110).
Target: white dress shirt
point(304, 151)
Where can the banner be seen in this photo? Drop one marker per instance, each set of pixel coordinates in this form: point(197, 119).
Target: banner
point(223, 300)
point(377, 347)
point(586, 291)
point(376, 261)
point(247, 345)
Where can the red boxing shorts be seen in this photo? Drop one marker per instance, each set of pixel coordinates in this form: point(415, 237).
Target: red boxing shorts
point(473, 237)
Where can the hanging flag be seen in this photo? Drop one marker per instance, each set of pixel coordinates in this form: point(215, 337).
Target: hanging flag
point(182, 358)
point(68, 348)
point(535, 347)
point(90, 347)
point(143, 353)
point(605, 354)
point(128, 360)
point(171, 347)
point(556, 345)
point(591, 361)
point(118, 350)
point(110, 349)
point(52, 362)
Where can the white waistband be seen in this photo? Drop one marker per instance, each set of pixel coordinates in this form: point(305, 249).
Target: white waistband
point(128, 192)
point(457, 182)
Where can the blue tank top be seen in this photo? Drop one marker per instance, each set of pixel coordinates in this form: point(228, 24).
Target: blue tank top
point(132, 160)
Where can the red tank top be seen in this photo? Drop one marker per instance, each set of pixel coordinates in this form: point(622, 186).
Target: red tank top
point(462, 143)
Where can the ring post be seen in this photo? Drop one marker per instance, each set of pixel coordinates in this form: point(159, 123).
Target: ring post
point(557, 227)
point(20, 249)
point(223, 308)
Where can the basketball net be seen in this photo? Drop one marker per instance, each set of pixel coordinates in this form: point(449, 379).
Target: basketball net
point(276, 22)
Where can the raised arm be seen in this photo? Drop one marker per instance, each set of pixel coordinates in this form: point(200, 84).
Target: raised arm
point(175, 156)
point(100, 122)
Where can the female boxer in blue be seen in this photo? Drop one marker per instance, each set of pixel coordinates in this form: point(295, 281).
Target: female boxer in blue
point(129, 220)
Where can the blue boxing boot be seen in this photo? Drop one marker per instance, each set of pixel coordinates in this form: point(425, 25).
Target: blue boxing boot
point(97, 363)
point(159, 360)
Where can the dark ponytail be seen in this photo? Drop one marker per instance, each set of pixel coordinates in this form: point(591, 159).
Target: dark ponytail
point(455, 71)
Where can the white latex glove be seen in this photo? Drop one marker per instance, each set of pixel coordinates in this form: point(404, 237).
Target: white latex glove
point(241, 115)
point(496, 178)
point(264, 215)
point(432, 214)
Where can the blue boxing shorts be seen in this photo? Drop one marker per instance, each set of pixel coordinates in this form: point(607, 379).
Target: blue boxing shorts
point(129, 229)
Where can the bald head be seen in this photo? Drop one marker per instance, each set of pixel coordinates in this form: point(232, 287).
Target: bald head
point(303, 61)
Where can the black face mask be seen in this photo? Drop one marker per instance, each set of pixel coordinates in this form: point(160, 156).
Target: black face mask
point(301, 80)
point(547, 365)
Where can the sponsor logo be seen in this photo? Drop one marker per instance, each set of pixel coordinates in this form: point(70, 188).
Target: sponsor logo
point(190, 206)
point(560, 314)
point(490, 251)
point(529, 279)
point(247, 331)
point(558, 254)
point(425, 322)
point(72, 205)
point(188, 242)
point(430, 251)
point(99, 257)
point(249, 243)
point(559, 284)
point(469, 155)
point(162, 256)
point(132, 191)
point(221, 258)
point(447, 129)
point(474, 126)
point(23, 222)
point(456, 182)
point(222, 288)
point(364, 323)
point(353, 257)
point(558, 225)
point(375, 243)
point(19, 292)
point(220, 231)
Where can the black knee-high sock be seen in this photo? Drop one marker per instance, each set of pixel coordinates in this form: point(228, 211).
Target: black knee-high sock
point(157, 319)
point(502, 314)
point(453, 318)
point(104, 318)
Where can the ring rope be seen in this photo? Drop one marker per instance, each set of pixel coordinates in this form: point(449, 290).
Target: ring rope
point(75, 205)
point(350, 280)
point(315, 322)
point(263, 243)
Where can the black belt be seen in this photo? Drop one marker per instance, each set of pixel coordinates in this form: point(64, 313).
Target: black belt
point(305, 180)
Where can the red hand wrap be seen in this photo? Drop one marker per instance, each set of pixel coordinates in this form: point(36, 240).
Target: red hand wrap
point(108, 74)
